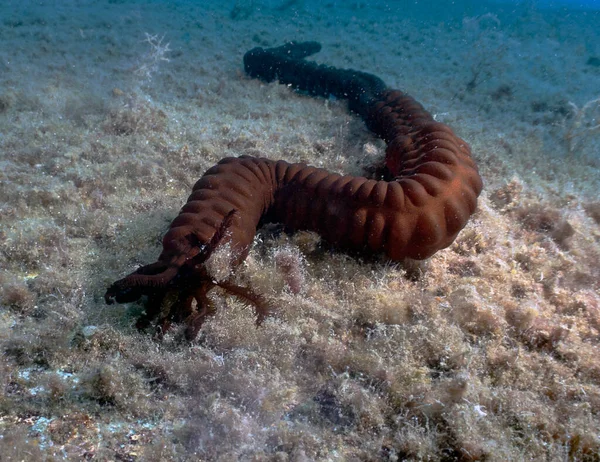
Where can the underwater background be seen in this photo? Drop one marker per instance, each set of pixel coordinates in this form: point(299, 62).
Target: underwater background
point(110, 110)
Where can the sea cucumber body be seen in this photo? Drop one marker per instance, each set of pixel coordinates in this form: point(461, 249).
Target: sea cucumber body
point(432, 193)
point(418, 213)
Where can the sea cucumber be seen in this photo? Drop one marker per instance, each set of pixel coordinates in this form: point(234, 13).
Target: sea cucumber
point(432, 192)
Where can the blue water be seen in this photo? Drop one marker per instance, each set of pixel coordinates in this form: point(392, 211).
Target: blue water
point(554, 4)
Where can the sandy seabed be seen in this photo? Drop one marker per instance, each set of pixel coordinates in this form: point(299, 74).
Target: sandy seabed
point(111, 110)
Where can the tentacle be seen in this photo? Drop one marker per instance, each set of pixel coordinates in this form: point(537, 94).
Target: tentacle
point(204, 308)
point(245, 294)
point(217, 239)
point(153, 308)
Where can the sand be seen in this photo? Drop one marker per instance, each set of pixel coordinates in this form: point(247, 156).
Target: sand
point(111, 110)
